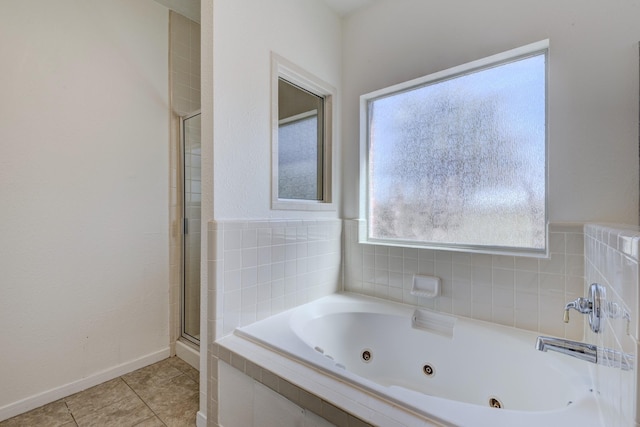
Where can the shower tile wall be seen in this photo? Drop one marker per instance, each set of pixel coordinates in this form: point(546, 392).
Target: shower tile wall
point(611, 259)
point(184, 69)
point(260, 268)
point(185, 64)
point(528, 293)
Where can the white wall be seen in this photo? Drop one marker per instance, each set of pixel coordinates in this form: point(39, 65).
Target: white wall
point(84, 193)
point(593, 84)
point(245, 32)
point(305, 32)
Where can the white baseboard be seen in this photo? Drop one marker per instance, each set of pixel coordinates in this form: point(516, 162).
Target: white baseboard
point(201, 419)
point(37, 400)
point(188, 354)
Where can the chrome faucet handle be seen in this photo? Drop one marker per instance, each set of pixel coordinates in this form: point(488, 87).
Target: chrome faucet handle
point(593, 306)
point(582, 305)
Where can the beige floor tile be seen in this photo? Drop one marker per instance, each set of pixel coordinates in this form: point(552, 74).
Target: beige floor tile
point(181, 414)
point(151, 422)
point(54, 414)
point(185, 368)
point(177, 363)
point(90, 400)
point(124, 413)
point(163, 394)
point(152, 376)
point(171, 394)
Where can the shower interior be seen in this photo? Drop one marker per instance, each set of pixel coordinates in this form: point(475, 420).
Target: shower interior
point(190, 148)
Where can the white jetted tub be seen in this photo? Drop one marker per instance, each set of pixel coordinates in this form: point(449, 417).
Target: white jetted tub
point(450, 370)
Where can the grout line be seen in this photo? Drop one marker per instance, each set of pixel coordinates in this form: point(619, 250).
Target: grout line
point(101, 402)
point(70, 412)
point(147, 419)
point(145, 404)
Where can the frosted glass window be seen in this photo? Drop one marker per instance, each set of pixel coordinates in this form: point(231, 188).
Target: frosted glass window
point(461, 160)
point(298, 176)
point(302, 117)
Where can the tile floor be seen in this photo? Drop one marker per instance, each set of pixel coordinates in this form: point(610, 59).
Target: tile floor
point(163, 394)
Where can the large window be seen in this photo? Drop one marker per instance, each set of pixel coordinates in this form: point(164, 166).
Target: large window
point(458, 159)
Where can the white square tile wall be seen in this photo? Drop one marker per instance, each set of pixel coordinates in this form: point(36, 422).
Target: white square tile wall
point(528, 293)
point(245, 402)
point(611, 259)
point(184, 64)
point(261, 268)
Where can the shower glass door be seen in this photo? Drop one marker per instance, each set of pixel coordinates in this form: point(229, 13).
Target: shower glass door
point(191, 208)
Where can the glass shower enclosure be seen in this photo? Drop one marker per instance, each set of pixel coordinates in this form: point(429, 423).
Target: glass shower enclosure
point(190, 132)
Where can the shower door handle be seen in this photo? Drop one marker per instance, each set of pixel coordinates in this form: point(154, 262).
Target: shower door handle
point(185, 226)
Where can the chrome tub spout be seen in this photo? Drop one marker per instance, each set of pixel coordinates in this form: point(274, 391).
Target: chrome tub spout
point(582, 351)
point(588, 352)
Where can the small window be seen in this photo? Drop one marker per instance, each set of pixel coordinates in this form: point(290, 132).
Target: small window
point(301, 139)
point(300, 143)
point(458, 159)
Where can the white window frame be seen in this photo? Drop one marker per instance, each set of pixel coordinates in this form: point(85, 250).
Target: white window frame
point(285, 69)
point(494, 60)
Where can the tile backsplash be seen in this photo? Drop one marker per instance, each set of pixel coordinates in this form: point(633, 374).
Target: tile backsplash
point(260, 268)
point(611, 259)
point(525, 292)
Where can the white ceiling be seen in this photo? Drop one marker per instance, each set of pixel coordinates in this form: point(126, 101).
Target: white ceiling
point(344, 7)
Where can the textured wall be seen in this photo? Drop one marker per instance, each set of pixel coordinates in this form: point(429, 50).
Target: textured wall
point(593, 103)
point(83, 178)
point(305, 32)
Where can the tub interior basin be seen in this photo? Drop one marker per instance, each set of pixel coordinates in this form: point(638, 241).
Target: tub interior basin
point(477, 364)
point(440, 361)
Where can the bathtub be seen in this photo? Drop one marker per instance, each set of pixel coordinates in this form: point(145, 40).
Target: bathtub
point(448, 370)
